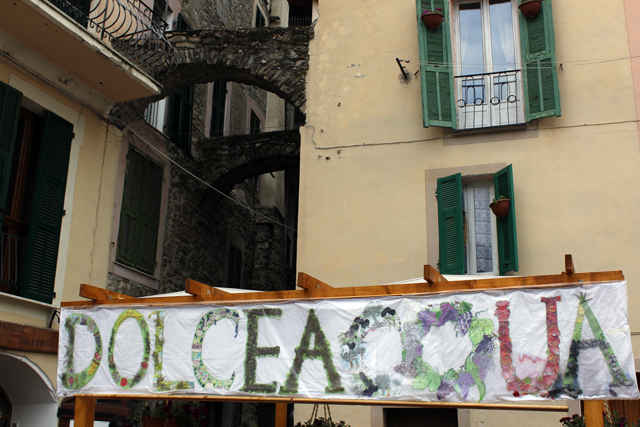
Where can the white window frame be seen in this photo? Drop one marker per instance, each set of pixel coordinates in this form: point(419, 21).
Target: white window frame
point(489, 115)
point(469, 207)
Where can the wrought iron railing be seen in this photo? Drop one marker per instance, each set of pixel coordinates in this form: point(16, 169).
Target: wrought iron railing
point(489, 99)
point(129, 26)
point(12, 257)
point(300, 21)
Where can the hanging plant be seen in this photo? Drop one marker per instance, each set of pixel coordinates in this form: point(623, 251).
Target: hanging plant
point(432, 18)
point(500, 206)
point(530, 8)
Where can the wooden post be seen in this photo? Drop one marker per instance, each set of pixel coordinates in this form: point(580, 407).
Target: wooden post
point(281, 415)
point(85, 412)
point(593, 410)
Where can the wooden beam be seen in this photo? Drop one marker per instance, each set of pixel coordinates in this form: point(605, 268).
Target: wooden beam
point(100, 294)
point(362, 402)
point(196, 288)
point(307, 282)
point(281, 415)
point(568, 264)
point(593, 413)
point(508, 282)
point(85, 411)
point(431, 275)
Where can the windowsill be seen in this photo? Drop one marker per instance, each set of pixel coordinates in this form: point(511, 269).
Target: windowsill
point(26, 307)
point(490, 134)
point(134, 275)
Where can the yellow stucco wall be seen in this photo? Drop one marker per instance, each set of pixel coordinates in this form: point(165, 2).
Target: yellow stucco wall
point(365, 154)
point(84, 252)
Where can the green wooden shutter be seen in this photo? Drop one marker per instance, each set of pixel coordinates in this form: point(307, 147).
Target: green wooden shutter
point(542, 97)
point(436, 65)
point(140, 213)
point(451, 225)
point(507, 237)
point(47, 209)
point(10, 100)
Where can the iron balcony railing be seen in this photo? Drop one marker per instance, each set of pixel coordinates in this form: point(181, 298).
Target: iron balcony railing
point(12, 257)
point(129, 26)
point(489, 99)
point(300, 21)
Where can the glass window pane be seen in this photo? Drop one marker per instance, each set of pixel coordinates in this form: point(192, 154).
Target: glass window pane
point(502, 37)
point(482, 214)
point(471, 51)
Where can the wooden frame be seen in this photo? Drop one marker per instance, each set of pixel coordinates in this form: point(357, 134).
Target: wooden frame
point(313, 289)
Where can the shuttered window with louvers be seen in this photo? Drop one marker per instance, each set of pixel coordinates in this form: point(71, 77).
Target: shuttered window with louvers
point(537, 43)
point(438, 100)
point(47, 209)
point(140, 213)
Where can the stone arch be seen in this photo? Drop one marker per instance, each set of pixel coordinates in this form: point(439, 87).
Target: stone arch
point(275, 59)
point(29, 389)
point(231, 159)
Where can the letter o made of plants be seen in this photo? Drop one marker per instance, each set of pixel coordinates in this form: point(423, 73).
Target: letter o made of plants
point(477, 363)
point(123, 382)
point(353, 351)
point(203, 376)
point(69, 378)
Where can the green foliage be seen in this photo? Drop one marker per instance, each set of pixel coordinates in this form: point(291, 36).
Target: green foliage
point(321, 422)
point(479, 328)
point(426, 377)
point(610, 420)
point(187, 414)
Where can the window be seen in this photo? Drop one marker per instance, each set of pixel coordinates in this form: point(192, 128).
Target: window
point(471, 239)
point(254, 124)
point(260, 19)
point(140, 213)
point(181, 106)
point(234, 267)
point(218, 101)
point(498, 70)
point(34, 161)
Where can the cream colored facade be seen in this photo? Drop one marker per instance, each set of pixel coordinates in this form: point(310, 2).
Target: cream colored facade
point(368, 166)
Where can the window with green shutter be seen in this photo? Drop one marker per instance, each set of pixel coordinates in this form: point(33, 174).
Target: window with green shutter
point(471, 239)
point(487, 65)
point(140, 212)
point(47, 209)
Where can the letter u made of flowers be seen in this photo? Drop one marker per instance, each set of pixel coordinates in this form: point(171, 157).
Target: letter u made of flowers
point(541, 383)
point(477, 363)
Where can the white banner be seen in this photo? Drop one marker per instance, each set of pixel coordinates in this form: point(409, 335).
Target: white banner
point(489, 346)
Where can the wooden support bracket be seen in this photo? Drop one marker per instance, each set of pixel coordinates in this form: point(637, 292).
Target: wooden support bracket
point(568, 264)
point(431, 275)
point(307, 282)
point(196, 288)
point(100, 294)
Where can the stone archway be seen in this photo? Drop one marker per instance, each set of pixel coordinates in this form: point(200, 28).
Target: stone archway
point(274, 59)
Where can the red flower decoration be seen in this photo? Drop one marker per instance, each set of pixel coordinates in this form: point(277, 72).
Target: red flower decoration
point(144, 365)
point(70, 380)
point(516, 393)
point(123, 382)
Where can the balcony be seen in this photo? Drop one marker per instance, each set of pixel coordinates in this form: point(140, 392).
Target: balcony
point(115, 47)
point(489, 100)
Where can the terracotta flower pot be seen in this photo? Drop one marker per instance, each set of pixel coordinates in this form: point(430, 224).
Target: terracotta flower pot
point(500, 209)
point(158, 422)
point(530, 8)
point(432, 20)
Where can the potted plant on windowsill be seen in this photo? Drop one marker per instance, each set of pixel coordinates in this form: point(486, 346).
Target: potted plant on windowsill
point(530, 8)
point(432, 18)
point(500, 206)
